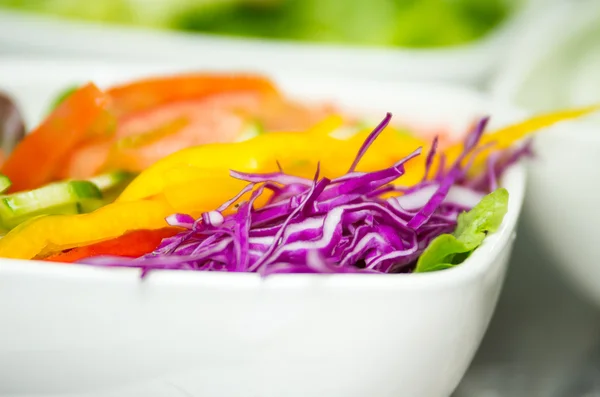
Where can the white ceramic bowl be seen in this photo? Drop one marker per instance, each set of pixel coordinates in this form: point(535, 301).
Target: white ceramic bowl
point(562, 202)
point(552, 69)
point(28, 34)
point(79, 331)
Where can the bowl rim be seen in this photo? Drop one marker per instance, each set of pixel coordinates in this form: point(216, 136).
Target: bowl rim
point(474, 267)
point(471, 62)
point(14, 18)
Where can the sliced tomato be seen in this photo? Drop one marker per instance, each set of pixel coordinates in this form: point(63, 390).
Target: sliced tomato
point(37, 158)
point(131, 245)
point(171, 128)
point(196, 127)
point(157, 117)
point(221, 118)
point(151, 129)
point(86, 160)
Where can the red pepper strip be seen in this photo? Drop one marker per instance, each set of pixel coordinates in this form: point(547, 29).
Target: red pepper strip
point(132, 245)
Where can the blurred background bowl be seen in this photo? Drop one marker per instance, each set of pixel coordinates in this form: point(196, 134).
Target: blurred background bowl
point(563, 194)
point(562, 202)
point(435, 40)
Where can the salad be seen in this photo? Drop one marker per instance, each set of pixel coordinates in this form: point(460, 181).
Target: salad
point(223, 172)
point(407, 23)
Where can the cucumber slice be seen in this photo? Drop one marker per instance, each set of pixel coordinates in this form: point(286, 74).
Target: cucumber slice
point(111, 180)
point(4, 183)
point(61, 198)
point(90, 205)
point(52, 199)
point(54, 194)
point(67, 209)
point(112, 184)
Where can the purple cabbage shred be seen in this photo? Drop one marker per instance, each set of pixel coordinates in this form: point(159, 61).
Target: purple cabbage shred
point(349, 224)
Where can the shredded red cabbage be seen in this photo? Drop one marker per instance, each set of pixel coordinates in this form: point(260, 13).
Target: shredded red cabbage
point(344, 225)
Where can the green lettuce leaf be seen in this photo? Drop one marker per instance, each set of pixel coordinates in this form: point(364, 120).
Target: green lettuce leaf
point(448, 250)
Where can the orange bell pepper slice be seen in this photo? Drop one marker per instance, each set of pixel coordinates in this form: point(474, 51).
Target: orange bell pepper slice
point(37, 158)
point(132, 244)
point(149, 93)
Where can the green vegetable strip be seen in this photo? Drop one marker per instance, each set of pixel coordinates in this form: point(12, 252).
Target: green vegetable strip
point(449, 250)
point(5, 183)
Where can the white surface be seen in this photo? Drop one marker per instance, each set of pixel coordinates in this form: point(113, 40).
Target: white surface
point(33, 35)
point(80, 331)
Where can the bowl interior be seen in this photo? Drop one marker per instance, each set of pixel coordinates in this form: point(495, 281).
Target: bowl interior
point(425, 106)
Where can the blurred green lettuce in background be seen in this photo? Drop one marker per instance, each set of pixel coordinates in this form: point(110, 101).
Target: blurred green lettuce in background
point(406, 23)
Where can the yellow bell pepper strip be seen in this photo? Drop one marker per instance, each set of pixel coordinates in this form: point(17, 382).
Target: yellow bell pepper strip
point(507, 136)
point(200, 199)
point(48, 234)
point(326, 126)
point(165, 188)
point(297, 153)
